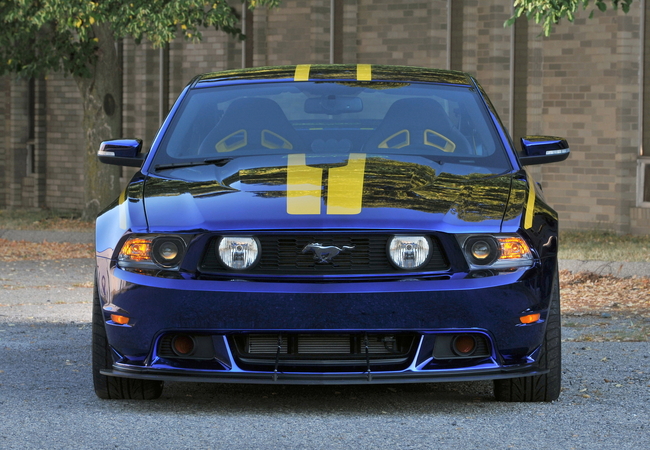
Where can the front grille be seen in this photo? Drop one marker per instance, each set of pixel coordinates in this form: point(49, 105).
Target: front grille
point(318, 345)
point(282, 254)
point(323, 350)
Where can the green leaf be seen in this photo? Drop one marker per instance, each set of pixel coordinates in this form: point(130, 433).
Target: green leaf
point(509, 22)
point(45, 35)
point(549, 13)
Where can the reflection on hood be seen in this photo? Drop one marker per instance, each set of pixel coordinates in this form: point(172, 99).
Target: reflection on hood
point(371, 182)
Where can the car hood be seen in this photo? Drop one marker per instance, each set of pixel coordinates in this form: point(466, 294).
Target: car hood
point(353, 192)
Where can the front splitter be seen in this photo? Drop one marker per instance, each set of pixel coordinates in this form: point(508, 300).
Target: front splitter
point(322, 379)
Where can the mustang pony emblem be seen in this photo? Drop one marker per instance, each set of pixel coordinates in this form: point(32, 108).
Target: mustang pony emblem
point(323, 254)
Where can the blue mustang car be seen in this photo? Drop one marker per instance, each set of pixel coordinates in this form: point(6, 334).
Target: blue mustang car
point(329, 224)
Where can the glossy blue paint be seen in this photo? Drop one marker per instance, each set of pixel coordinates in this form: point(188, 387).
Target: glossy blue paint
point(402, 194)
point(249, 207)
point(492, 304)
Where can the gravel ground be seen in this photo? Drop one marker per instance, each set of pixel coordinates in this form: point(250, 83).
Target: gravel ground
point(73, 237)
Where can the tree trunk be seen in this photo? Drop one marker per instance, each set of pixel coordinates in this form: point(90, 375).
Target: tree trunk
point(101, 94)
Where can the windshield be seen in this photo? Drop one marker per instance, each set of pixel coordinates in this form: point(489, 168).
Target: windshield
point(447, 124)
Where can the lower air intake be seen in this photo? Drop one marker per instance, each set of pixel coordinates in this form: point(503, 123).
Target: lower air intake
point(303, 350)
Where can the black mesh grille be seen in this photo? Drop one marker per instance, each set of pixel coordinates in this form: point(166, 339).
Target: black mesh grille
point(329, 352)
point(283, 254)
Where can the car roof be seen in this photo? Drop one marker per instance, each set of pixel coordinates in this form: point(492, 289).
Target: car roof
point(353, 72)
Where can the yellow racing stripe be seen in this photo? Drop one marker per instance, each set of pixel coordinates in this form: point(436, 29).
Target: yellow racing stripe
point(304, 186)
point(345, 186)
point(530, 204)
point(364, 72)
point(302, 72)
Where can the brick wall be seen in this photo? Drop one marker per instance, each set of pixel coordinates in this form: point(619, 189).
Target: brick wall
point(589, 94)
point(297, 32)
point(581, 83)
point(409, 32)
point(141, 89)
point(492, 63)
point(5, 85)
point(65, 145)
point(15, 163)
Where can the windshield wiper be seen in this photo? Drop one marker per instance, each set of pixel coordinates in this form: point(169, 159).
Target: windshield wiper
point(219, 162)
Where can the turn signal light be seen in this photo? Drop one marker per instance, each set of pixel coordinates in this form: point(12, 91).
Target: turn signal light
point(122, 320)
point(530, 318)
point(513, 248)
point(136, 249)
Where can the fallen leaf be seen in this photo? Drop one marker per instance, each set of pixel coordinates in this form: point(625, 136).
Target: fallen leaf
point(39, 251)
point(590, 293)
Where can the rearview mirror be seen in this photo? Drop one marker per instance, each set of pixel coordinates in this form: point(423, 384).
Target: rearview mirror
point(333, 105)
point(121, 152)
point(543, 150)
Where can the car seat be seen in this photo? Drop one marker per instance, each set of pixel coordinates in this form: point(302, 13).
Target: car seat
point(251, 123)
point(418, 123)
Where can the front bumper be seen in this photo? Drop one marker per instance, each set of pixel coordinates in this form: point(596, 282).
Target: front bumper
point(490, 306)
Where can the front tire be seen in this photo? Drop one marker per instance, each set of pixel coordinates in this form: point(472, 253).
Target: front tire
point(113, 387)
point(539, 388)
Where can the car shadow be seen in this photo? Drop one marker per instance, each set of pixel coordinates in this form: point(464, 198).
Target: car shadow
point(291, 399)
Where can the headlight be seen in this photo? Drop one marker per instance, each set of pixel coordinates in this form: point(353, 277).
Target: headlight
point(481, 250)
point(168, 251)
point(152, 252)
point(487, 251)
point(238, 253)
point(409, 252)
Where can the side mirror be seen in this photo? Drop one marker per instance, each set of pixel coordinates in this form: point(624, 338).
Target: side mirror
point(121, 152)
point(543, 150)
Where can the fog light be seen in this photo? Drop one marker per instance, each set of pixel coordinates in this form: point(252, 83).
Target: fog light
point(183, 345)
point(464, 345)
point(409, 252)
point(238, 253)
